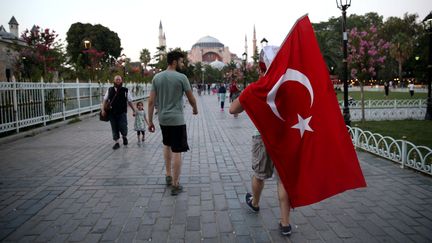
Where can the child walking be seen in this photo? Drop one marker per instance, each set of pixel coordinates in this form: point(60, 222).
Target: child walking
point(140, 122)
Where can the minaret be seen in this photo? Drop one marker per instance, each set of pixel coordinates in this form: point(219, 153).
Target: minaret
point(13, 27)
point(246, 47)
point(161, 35)
point(254, 43)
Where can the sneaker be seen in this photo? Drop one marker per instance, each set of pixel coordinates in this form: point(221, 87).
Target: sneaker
point(176, 190)
point(125, 141)
point(249, 203)
point(116, 146)
point(168, 180)
point(285, 230)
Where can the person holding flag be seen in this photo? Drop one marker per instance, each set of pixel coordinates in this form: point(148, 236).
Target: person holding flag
point(295, 109)
point(261, 163)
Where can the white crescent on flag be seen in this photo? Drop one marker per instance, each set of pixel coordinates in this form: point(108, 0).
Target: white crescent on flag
point(290, 75)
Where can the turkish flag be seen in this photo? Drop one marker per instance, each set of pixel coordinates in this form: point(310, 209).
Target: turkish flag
point(295, 109)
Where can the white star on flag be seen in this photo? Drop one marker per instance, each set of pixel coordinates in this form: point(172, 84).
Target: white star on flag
point(303, 124)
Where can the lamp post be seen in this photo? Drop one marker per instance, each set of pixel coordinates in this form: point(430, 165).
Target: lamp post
point(244, 69)
point(123, 59)
point(87, 47)
point(344, 5)
point(427, 22)
point(142, 70)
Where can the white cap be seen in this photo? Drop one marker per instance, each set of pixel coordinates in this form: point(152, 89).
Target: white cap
point(267, 55)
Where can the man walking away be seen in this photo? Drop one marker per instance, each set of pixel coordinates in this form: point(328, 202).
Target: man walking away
point(167, 90)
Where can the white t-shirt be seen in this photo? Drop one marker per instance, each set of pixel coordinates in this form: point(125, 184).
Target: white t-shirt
point(411, 86)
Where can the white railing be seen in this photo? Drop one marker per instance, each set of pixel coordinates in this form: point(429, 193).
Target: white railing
point(378, 110)
point(400, 151)
point(409, 103)
point(388, 114)
point(28, 104)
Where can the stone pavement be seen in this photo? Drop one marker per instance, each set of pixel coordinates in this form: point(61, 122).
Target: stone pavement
point(67, 184)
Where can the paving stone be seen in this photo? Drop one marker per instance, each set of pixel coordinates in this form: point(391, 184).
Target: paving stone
point(193, 223)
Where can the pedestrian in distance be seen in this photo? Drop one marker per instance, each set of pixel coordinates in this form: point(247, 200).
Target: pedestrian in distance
point(167, 90)
point(222, 96)
point(411, 89)
point(261, 163)
point(118, 98)
point(140, 122)
point(386, 89)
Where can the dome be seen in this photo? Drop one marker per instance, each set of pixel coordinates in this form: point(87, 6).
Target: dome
point(208, 42)
point(217, 64)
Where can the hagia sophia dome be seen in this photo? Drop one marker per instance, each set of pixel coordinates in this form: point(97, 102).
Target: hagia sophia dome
point(208, 41)
point(209, 49)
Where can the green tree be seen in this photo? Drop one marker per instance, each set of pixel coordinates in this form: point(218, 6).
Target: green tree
point(401, 49)
point(145, 57)
point(43, 56)
point(403, 33)
point(101, 38)
point(160, 58)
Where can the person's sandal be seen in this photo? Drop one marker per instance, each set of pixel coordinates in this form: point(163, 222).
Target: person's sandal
point(168, 180)
point(176, 190)
point(285, 230)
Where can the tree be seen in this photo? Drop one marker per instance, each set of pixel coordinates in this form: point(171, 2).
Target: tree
point(160, 58)
point(43, 56)
point(366, 53)
point(145, 57)
point(401, 49)
point(404, 34)
point(101, 38)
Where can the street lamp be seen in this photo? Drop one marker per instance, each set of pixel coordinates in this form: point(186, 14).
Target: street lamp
point(344, 5)
point(244, 69)
point(123, 59)
point(427, 22)
point(87, 44)
point(89, 63)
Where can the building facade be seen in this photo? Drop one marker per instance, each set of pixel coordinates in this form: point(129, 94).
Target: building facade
point(9, 41)
point(209, 49)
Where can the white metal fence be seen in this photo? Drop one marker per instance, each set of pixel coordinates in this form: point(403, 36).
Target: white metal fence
point(378, 110)
point(28, 104)
point(400, 151)
point(408, 103)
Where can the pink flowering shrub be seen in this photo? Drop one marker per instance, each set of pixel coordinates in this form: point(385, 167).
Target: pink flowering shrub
point(366, 52)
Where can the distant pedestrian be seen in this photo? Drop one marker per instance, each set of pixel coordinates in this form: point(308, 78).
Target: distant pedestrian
point(140, 122)
point(222, 96)
point(234, 91)
point(168, 88)
point(386, 89)
point(411, 89)
point(119, 98)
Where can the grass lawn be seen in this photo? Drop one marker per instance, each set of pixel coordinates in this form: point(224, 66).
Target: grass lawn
point(417, 132)
point(371, 95)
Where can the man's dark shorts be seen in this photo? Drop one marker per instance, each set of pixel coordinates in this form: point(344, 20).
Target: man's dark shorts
point(175, 137)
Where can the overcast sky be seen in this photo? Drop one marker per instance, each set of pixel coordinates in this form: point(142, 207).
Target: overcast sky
point(186, 21)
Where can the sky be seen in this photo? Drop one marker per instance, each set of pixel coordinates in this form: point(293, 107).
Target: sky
point(186, 21)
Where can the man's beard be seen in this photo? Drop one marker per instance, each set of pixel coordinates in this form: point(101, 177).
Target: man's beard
point(118, 85)
point(178, 69)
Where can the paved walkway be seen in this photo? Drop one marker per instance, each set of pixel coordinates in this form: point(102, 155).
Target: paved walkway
point(67, 184)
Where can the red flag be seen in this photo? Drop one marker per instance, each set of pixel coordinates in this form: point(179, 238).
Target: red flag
point(295, 109)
